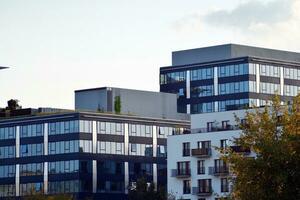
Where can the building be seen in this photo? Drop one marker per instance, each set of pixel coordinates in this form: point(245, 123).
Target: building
point(213, 83)
point(195, 170)
point(86, 154)
point(230, 77)
point(133, 102)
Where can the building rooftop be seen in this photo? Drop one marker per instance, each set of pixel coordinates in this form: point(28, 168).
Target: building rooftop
point(113, 88)
point(229, 51)
point(33, 114)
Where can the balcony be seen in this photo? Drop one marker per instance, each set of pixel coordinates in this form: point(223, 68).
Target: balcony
point(215, 129)
point(219, 170)
point(180, 173)
point(242, 150)
point(203, 192)
point(202, 152)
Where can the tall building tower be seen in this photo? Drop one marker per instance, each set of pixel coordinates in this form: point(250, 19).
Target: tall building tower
point(213, 84)
point(229, 77)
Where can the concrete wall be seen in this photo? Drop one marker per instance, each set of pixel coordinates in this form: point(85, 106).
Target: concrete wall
point(144, 103)
point(227, 51)
point(135, 102)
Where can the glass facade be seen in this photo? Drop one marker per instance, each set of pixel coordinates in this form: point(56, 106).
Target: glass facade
point(7, 171)
point(32, 169)
point(106, 147)
point(31, 130)
point(173, 77)
point(75, 173)
point(140, 130)
point(31, 150)
point(202, 74)
point(235, 70)
point(64, 127)
point(235, 78)
point(7, 133)
point(63, 167)
point(7, 152)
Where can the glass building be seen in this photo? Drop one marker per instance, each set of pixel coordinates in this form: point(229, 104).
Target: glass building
point(85, 154)
point(230, 77)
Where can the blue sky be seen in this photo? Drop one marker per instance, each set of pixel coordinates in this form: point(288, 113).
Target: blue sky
point(54, 47)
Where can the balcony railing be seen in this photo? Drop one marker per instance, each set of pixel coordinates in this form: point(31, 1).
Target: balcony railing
point(215, 129)
point(219, 170)
point(204, 192)
point(240, 149)
point(201, 152)
point(180, 173)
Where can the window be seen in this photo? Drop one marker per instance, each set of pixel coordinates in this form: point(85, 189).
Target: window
point(186, 151)
point(203, 144)
point(200, 167)
point(186, 187)
point(225, 124)
point(224, 143)
point(204, 186)
point(183, 168)
point(224, 185)
point(133, 147)
point(220, 166)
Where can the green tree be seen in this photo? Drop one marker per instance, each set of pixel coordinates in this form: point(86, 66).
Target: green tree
point(273, 134)
point(13, 104)
point(117, 104)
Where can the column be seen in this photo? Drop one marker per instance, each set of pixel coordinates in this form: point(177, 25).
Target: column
point(257, 70)
point(94, 176)
point(281, 81)
point(188, 90)
point(126, 152)
point(126, 173)
point(154, 137)
point(17, 180)
point(216, 107)
point(45, 154)
point(155, 175)
point(94, 151)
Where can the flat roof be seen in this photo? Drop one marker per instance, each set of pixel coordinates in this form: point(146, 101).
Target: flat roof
point(94, 115)
point(229, 51)
point(124, 89)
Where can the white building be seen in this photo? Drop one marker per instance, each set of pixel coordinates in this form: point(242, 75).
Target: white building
point(195, 170)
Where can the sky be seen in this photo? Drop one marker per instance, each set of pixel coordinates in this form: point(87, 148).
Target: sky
point(54, 47)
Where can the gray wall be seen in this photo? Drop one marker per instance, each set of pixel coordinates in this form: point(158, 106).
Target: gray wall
point(228, 51)
point(144, 103)
point(134, 102)
point(91, 100)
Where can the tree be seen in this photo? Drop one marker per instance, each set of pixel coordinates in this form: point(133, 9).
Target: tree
point(13, 104)
point(117, 104)
point(273, 134)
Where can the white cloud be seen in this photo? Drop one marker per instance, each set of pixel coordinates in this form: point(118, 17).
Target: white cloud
point(274, 24)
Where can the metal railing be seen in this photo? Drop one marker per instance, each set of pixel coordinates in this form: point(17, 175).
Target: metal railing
point(180, 173)
point(214, 129)
point(219, 170)
point(201, 152)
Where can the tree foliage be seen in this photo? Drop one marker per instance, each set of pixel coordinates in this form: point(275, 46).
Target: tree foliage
point(13, 104)
point(143, 191)
point(273, 134)
point(117, 104)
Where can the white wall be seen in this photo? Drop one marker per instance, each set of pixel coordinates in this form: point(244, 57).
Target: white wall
point(174, 145)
